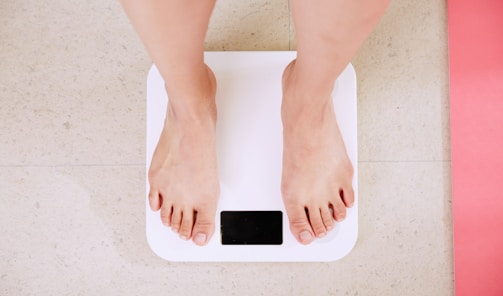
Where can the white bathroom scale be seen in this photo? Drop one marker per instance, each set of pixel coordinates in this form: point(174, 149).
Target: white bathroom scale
point(251, 223)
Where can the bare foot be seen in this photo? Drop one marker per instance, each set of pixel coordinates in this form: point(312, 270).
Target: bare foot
point(183, 175)
point(317, 173)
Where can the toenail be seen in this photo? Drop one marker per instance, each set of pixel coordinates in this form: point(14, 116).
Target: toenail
point(340, 218)
point(329, 228)
point(184, 237)
point(305, 236)
point(175, 229)
point(322, 234)
point(200, 238)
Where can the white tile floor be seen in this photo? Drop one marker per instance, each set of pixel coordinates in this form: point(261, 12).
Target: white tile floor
point(72, 120)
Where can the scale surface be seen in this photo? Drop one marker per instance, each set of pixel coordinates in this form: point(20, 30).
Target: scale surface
point(249, 151)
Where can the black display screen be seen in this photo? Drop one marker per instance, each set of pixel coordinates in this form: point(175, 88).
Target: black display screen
point(251, 227)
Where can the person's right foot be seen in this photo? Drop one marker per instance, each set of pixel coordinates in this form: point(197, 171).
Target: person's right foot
point(183, 175)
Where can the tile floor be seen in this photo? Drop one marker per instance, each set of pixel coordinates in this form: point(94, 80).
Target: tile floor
point(72, 120)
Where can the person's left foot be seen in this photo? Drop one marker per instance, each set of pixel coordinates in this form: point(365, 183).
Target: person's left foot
point(317, 173)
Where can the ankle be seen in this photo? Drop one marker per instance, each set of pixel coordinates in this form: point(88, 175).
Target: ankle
point(305, 89)
point(310, 78)
point(305, 118)
point(193, 113)
point(305, 107)
point(193, 99)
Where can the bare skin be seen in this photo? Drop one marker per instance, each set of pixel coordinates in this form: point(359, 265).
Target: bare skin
point(317, 173)
point(183, 175)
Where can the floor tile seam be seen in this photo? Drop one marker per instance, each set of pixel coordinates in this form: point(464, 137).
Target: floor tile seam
point(72, 165)
point(143, 164)
point(406, 161)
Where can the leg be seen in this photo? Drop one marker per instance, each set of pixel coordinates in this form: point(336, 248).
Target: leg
point(183, 175)
point(317, 173)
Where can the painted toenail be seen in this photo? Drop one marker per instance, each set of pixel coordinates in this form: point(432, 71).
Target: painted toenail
point(200, 238)
point(305, 236)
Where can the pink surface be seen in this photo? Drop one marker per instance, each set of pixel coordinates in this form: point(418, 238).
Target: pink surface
point(476, 73)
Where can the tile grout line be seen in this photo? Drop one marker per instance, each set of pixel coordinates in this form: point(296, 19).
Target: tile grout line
point(143, 164)
point(71, 165)
point(404, 161)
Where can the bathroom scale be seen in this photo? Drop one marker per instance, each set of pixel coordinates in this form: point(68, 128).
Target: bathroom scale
point(251, 223)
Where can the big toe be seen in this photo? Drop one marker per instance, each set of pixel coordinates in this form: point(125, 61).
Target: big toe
point(203, 228)
point(299, 225)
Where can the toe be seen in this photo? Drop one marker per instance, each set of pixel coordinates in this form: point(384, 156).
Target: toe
point(299, 225)
point(176, 219)
point(204, 227)
point(327, 218)
point(348, 196)
point(154, 200)
point(166, 213)
point(339, 209)
point(317, 222)
point(187, 223)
